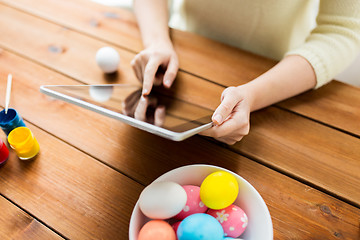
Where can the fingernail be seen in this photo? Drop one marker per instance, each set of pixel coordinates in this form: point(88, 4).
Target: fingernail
point(144, 91)
point(167, 83)
point(218, 119)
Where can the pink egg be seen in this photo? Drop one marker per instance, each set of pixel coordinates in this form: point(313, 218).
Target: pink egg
point(193, 203)
point(176, 225)
point(157, 229)
point(233, 220)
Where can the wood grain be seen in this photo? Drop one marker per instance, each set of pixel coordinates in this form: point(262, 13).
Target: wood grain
point(88, 17)
point(82, 198)
point(306, 150)
point(143, 156)
point(16, 224)
point(77, 58)
point(74, 194)
point(337, 102)
point(192, 89)
point(121, 29)
point(227, 65)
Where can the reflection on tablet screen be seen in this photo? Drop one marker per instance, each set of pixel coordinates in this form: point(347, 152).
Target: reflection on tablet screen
point(158, 108)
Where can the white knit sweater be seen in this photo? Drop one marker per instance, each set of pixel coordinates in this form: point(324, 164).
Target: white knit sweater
point(325, 32)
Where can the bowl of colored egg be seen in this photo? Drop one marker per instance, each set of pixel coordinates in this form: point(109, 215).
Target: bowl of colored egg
point(200, 202)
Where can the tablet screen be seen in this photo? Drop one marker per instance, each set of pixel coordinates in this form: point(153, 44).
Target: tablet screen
point(158, 108)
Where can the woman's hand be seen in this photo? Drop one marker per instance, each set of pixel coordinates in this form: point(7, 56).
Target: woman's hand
point(291, 76)
point(231, 118)
point(157, 64)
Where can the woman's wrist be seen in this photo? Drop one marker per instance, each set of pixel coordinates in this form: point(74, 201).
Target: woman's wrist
point(158, 42)
point(249, 94)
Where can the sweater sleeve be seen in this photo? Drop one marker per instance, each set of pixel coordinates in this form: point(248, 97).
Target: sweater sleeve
point(335, 41)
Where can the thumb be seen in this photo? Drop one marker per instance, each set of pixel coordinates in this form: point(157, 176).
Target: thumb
point(229, 101)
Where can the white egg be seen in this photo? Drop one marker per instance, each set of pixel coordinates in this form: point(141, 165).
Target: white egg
point(162, 200)
point(108, 59)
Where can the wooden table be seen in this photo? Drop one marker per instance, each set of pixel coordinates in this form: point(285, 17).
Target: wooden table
point(302, 155)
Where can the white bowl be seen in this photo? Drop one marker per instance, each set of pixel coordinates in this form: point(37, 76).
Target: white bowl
point(259, 226)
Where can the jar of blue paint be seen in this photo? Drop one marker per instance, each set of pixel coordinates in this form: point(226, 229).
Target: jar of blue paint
point(10, 120)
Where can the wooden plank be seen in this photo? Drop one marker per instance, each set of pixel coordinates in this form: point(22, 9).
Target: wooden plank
point(143, 156)
point(56, 49)
point(88, 17)
point(188, 87)
point(17, 224)
point(336, 104)
point(71, 192)
point(228, 66)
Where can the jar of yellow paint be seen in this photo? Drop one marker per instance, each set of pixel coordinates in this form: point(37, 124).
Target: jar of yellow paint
point(22, 140)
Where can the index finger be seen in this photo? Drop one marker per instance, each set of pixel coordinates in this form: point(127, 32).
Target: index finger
point(149, 75)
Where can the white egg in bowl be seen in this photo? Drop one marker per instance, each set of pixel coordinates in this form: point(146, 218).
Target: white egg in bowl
point(259, 225)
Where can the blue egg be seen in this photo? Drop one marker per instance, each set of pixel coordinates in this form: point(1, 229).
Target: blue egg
point(200, 226)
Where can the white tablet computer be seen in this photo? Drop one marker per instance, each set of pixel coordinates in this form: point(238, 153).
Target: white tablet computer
point(158, 113)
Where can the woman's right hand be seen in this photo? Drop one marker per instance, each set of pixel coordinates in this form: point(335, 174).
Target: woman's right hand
point(155, 65)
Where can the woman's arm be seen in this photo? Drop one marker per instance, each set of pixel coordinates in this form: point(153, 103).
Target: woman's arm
point(291, 76)
point(152, 17)
point(330, 47)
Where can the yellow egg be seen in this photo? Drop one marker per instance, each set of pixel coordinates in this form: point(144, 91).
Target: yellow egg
point(157, 229)
point(219, 190)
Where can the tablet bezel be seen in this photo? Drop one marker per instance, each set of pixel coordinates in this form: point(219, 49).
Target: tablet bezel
point(157, 130)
